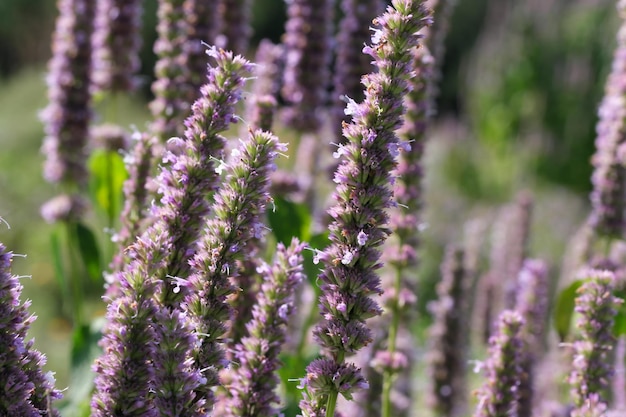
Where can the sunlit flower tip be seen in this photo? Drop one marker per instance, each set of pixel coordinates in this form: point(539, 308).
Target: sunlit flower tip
point(352, 107)
point(348, 257)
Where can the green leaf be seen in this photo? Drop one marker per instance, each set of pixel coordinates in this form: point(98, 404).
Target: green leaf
point(317, 242)
point(59, 268)
point(89, 252)
point(289, 219)
point(564, 308)
point(619, 326)
point(85, 350)
point(107, 174)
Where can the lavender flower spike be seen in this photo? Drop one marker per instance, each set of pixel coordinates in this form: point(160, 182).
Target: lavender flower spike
point(67, 116)
point(609, 175)
point(238, 206)
point(125, 372)
point(591, 366)
point(307, 51)
point(499, 395)
point(25, 390)
point(116, 44)
point(359, 218)
point(236, 29)
point(254, 380)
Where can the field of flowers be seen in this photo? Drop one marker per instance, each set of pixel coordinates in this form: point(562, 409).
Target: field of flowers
point(313, 208)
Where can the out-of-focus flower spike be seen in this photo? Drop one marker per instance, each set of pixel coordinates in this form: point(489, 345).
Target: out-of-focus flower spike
point(597, 307)
point(499, 395)
point(67, 116)
point(307, 57)
point(236, 29)
point(116, 45)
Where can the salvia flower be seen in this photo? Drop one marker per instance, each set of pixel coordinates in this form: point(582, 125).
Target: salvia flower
point(25, 390)
point(532, 303)
point(608, 178)
point(597, 308)
point(348, 279)
point(448, 336)
point(116, 45)
point(236, 29)
point(68, 113)
point(499, 395)
point(202, 28)
point(171, 90)
point(237, 208)
point(252, 390)
point(307, 56)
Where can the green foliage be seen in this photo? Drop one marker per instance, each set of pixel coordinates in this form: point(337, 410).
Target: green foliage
point(107, 174)
point(564, 308)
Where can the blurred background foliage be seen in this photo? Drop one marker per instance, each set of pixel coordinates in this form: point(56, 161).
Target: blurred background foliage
point(520, 87)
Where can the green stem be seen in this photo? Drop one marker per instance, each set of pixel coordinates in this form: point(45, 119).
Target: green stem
point(332, 397)
point(75, 278)
point(388, 375)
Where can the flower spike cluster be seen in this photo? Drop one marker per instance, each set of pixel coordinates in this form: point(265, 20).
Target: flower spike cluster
point(24, 388)
point(349, 277)
point(254, 380)
point(67, 116)
point(237, 209)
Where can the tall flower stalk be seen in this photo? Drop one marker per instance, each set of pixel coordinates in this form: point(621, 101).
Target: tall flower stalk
point(253, 379)
point(68, 113)
point(237, 208)
point(25, 389)
point(236, 29)
point(348, 279)
point(609, 175)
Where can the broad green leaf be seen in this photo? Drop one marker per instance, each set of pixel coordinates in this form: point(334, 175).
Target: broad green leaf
point(288, 219)
point(564, 308)
point(107, 174)
point(89, 252)
point(619, 327)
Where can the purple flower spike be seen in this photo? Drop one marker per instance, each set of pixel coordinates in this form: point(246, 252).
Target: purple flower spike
point(116, 44)
point(307, 54)
point(499, 395)
point(592, 368)
point(236, 29)
point(238, 206)
point(593, 407)
point(448, 336)
point(253, 376)
point(609, 176)
point(24, 388)
point(202, 28)
point(351, 64)
point(171, 91)
point(349, 277)
point(67, 116)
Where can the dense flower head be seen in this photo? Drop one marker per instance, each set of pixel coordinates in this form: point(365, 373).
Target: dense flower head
point(68, 113)
point(237, 209)
point(64, 208)
point(362, 195)
point(110, 137)
point(116, 44)
point(448, 336)
point(253, 379)
point(25, 389)
point(597, 307)
point(609, 176)
point(499, 395)
point(307, 57)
